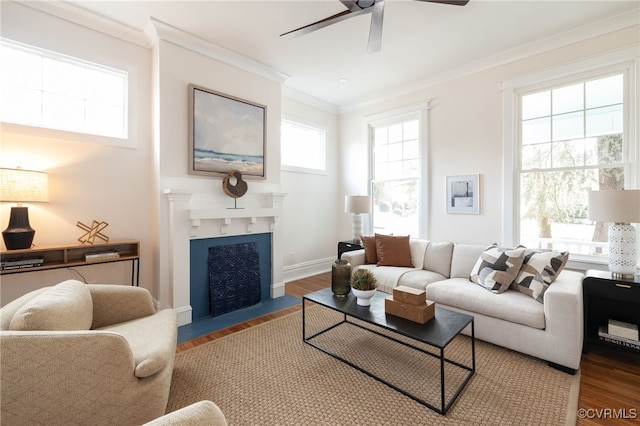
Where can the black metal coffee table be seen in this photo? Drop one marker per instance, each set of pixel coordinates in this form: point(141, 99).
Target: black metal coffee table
point(438, 333)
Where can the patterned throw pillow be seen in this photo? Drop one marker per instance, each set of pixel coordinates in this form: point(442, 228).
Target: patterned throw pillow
point(497, 267)
point(539, 270)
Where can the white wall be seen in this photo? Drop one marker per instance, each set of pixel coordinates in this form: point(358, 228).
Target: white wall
point(465, 137)
point(312, 210)
point(87, 180)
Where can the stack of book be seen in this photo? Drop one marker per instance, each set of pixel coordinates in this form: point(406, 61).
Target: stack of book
point(620, 333)
point(21, 263)
point(101, 256)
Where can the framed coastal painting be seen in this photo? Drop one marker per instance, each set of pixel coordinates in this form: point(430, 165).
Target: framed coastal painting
point(463, 194)
point(225, 133)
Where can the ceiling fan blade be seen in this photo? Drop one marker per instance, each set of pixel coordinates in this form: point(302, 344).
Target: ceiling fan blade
point(375, 31)
point(449, 2)
point(324, 23)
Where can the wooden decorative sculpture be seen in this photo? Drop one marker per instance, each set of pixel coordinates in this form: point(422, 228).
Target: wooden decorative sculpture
point(234, 186)
point(93, 231)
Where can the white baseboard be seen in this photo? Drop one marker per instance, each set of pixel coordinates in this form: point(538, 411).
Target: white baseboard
point(277, 290)
point(307, 269)
point(184, 315)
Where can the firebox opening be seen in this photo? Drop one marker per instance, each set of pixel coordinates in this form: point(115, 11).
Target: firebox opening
point(229, 273)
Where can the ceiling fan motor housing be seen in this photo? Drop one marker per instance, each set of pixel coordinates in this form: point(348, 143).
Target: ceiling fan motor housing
point(363, 4)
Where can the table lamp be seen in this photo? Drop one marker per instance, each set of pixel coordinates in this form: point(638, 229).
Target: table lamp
point(21, 186)
point(620, 208)
point(357, 204)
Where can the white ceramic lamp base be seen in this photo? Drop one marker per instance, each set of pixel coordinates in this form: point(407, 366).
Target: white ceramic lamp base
point(623, 250)
point(357, 227)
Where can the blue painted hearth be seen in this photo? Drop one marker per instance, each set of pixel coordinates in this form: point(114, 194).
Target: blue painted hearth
point(220, 250)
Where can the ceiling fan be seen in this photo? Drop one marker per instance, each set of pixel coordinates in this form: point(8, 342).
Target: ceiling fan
point(361, 7)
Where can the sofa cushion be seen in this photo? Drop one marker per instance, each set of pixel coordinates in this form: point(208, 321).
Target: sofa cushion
point(370, 253)
point(510, 306)
point(65, 306)
point(393, 250)
point(539, 269)
point(463, 259)
point(497, 268)
point(388, 277)
point(418, 248)
point(419, 278)
point(437, 258)
point(9, 310)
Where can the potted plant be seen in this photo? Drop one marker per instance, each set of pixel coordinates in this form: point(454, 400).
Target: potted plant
point(364, 284)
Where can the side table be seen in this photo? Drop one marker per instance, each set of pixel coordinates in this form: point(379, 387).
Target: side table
point(606, 298)
point(344, 246)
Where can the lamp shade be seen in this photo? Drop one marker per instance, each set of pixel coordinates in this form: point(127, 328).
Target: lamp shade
point(616, 206)
point(357, 204)
point(22, 186)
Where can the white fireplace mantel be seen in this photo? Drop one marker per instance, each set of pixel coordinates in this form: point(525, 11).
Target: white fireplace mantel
point(226, 216)
point(259, 214)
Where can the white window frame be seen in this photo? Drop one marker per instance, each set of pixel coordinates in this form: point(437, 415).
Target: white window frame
point(322, 149)
point(421, 112)
point(621, 61)
point(38, 128)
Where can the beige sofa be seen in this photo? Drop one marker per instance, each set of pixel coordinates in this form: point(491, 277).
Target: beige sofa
point(85, 354)
point(551, 330)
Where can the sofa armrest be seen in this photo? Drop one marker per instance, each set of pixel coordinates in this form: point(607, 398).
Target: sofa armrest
point(114, 304)
point(563, 311)
point(152, 340)
point(354, 257)
point(200, 413)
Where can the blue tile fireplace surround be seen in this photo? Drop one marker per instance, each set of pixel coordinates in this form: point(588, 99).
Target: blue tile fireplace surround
point(230, 282)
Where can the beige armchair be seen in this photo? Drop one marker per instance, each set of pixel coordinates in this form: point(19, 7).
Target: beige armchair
point(203, 413)
point(85, 354)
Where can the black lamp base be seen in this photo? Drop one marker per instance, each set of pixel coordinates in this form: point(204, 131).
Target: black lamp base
point(19, 234)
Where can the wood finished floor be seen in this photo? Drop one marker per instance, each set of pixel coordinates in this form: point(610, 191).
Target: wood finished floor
point(609, 382)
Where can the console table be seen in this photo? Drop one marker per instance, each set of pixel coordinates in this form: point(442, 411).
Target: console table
point(608, 298)
point(66, 256)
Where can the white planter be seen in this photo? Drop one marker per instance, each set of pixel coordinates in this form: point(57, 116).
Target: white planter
point(363, 296)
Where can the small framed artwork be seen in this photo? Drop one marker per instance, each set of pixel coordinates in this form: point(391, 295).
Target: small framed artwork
point(225, 133)
point(463, 194)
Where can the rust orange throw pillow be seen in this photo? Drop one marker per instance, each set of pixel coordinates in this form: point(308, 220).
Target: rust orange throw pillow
point(393, 250)
point(369, 244)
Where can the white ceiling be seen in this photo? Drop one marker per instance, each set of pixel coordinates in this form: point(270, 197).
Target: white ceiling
point(420, 39)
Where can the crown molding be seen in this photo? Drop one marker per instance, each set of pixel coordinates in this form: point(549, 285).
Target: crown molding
point(556, 41)
point(80, 16)
point(303, 98)
point(147, 37)
point(157, 30)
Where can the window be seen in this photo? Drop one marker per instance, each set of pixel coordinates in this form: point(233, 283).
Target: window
point(395, 175)
point(302, 148)
point(571, 135)
point(41, 88)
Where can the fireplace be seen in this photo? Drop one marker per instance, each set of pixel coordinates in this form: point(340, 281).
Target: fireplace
point(229, 273)
point(193, 216)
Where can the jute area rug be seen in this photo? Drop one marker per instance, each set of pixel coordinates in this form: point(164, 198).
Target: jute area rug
point(267, 375)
